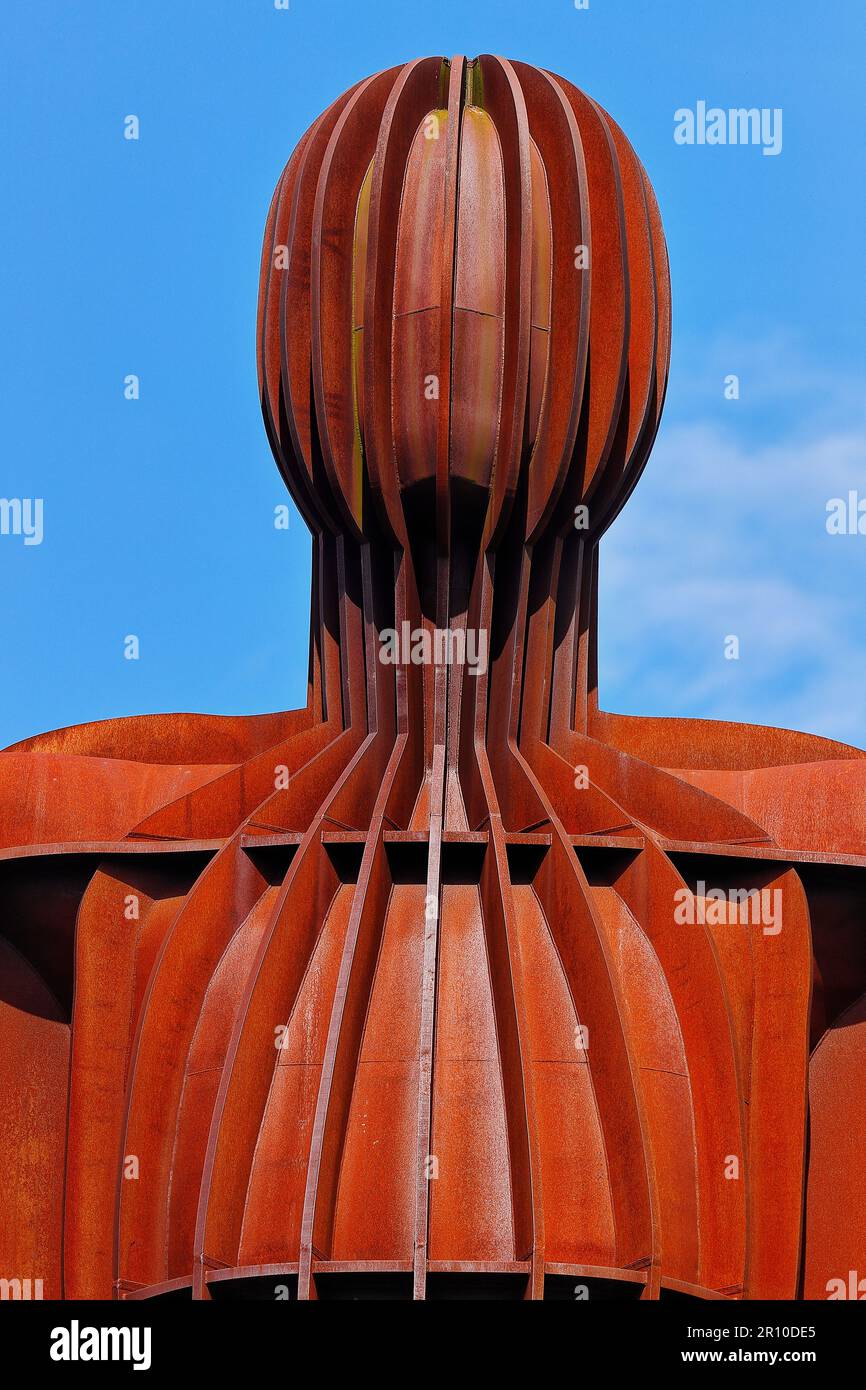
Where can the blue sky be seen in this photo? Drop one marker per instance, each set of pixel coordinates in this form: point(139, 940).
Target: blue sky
point(142, 257)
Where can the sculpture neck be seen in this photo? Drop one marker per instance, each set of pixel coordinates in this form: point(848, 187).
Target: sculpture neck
point(499, 652)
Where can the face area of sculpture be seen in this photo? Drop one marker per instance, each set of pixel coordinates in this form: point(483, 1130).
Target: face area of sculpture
point(464, 315)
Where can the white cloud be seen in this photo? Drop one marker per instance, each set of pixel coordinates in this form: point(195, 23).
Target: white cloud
point(725, 536)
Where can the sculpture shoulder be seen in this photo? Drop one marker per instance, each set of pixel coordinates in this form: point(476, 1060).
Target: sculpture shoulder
point(716, 744)
point(808, 793)
point(817, 807)
point(96, 782)
point(171, 738)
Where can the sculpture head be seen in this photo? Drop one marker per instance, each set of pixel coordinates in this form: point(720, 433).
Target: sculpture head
point(464, 307)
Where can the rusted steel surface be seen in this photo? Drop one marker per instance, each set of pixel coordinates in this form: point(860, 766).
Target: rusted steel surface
point(448, 981)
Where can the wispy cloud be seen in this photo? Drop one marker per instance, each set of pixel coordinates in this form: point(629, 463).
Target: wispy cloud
point(727, 536)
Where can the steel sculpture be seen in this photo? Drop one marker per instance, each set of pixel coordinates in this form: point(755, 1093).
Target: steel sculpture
point(448, 983)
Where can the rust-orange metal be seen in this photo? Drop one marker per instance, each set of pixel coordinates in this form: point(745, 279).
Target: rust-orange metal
point(393, 994)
